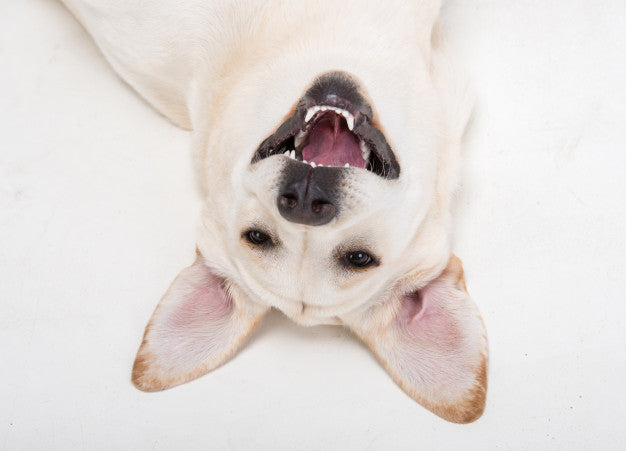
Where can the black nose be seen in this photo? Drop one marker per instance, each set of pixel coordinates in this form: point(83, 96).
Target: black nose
point(307, 195)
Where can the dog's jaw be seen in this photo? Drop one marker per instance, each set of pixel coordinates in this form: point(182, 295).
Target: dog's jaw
point(333, 124)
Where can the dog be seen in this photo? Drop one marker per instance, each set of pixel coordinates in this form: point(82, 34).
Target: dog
point(326, 138)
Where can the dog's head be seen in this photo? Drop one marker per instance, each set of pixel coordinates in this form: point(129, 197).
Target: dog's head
point(335, 213)
point(327, 211)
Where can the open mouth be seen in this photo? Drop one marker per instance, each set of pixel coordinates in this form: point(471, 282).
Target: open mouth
point(332, 127)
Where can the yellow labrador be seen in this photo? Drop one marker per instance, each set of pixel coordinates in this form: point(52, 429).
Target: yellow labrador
point(326, 137)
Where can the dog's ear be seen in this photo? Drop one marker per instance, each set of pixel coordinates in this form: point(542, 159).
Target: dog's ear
point(433, 343)
point(196, 327)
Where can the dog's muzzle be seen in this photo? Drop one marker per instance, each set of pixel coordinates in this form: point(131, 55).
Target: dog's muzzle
point(308, 195)
point(330, 132)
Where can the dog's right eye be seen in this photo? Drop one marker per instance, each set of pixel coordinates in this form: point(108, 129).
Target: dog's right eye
point(257, 237)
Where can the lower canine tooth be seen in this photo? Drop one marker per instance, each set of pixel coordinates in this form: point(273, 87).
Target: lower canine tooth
point(299, 138)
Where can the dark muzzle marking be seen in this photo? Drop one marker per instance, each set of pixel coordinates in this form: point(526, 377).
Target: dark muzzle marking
point(309, 195)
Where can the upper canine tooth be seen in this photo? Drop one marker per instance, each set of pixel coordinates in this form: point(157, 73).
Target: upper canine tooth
point(286, 153)
point(347, 165)
point(310, 113)
point(292, 154)
point(350, 121)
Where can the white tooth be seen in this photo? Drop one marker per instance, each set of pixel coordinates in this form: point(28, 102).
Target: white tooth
point(350, 121)
point(365, 150)
point(324, 108)
point(286, 153)
point(310, 113)
point(304, 161)
point(320, 164)
point(293, 154)
point(347, 165)
point(299, 138)
point(312, 163)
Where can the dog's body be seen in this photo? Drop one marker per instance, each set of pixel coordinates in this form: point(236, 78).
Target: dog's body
point(355, 83)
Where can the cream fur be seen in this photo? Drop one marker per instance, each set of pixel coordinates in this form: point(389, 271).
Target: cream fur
point(231, 71)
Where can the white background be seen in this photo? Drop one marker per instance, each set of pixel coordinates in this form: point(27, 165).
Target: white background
point(98, 211)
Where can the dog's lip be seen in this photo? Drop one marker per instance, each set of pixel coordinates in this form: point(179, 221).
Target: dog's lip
point(378, 156)
point(339, 94)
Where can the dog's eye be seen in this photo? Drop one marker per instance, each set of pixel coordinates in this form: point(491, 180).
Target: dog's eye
point(257, 237)
point(359, 259)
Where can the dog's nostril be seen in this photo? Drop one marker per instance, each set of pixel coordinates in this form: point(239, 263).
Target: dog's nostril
point(305, 211)
point(307, 195)
point(318, 205)
point(288, 201)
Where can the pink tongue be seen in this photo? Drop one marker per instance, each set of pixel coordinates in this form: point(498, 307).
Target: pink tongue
point(332, 144)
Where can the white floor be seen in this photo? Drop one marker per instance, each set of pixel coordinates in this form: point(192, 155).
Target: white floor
point(98, 211)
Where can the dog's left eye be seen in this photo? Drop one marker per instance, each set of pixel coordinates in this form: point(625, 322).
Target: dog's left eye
point(359, 259)
point(257, 237)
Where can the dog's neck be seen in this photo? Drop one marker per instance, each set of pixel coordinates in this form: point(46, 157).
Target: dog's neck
point(285, 54)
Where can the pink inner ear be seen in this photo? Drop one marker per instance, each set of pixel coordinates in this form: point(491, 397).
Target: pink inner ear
point(412, 306)
point(436, 348)
point(197, 325)
point(206, 303)
point(429, 316)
